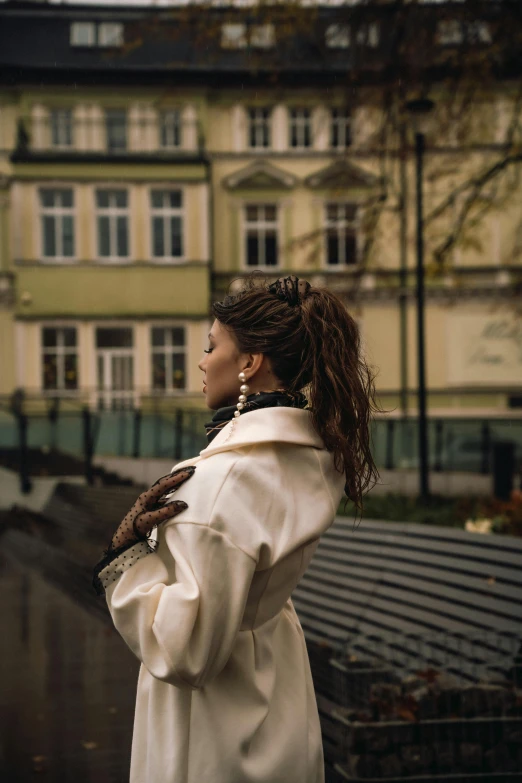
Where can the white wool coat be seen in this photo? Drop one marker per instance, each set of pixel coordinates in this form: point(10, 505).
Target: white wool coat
point(225, 693)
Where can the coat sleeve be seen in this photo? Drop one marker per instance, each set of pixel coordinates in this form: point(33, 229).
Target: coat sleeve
point(180, 611)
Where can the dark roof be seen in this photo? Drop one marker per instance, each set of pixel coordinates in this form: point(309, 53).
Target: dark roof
point(160, 42)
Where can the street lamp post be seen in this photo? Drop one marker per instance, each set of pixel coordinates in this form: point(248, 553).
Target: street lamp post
point(419, 111)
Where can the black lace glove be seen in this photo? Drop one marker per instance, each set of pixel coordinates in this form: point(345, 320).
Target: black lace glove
point(148, 512)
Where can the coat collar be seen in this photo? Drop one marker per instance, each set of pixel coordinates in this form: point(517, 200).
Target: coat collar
point(265, 425)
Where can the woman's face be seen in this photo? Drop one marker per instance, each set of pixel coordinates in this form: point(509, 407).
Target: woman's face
point(220, 366)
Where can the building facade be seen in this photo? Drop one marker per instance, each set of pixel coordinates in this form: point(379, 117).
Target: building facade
point(143, 171)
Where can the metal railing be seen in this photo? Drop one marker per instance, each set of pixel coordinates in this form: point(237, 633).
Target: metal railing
point(160, 425)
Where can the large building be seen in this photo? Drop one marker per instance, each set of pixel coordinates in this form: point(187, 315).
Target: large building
point(149, 157)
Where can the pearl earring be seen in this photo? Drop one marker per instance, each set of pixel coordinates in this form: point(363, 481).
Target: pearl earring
point(244, 388)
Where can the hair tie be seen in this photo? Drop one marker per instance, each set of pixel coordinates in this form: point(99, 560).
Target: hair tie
point(290, 289)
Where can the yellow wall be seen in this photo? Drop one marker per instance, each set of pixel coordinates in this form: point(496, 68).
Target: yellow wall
point(26, 240)
point(140, 292)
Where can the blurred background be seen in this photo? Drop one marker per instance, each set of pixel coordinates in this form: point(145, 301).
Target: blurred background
point(151, 154)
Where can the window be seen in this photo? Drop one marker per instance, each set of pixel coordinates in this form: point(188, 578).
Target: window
point(300, 128)
point(259, 128)
point(261, 234)
point(479, 32)
point(337, 36)
point(449, 32)
point(233, 36)
point(61, 127)
point(167, 223)
point(113, 223)
point(168, 358)
point(83, 34)
point(57, 220)
point(116, 129)
point(262, 36)
point(110, 34)
point(368, 35)
point(341, 234)
point(59, 359)
point(90, 34)
point(170, 128)
point(340, 128)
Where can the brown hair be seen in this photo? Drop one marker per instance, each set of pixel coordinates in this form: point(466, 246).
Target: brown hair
point(314, 348)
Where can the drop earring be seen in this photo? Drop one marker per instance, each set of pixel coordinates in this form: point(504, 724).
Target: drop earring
point(244, 389)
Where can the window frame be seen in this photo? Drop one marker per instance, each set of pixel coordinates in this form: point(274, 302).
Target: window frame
point(256, 123)
point(344, 128)
point(338, 36)
point(231, 41)
point(96, 37)
point(58, 212)
point(174, 110)
point(111, 149)
point(166, 213)
point(454, 32)
point(328, 224)
point(73, 37)
point(263, 225)
point(301, 124)
point(262, 36)
point(112, 213)
point(168, 351)
point(59, 114)
point(107, 44)
point(61, 350)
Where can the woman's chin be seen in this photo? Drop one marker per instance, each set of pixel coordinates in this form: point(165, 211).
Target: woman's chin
point(215, 403)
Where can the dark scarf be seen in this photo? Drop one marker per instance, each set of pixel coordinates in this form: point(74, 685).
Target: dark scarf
point(260, 399)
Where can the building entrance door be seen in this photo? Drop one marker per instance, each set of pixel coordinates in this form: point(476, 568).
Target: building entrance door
point(115, 368)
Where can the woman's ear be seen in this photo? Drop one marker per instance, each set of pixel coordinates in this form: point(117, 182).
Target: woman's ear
point(255, 360)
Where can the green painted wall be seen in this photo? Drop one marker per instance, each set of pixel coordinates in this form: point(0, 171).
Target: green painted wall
point(116, 291)
point(124, 171)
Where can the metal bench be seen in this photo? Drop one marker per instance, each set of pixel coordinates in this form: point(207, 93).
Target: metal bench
point(406, 594)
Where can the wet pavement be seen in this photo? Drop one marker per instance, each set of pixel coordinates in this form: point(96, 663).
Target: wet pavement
point(67, 679)
point(67, 686)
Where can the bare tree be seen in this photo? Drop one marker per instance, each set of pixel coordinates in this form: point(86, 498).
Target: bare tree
point(466, 54)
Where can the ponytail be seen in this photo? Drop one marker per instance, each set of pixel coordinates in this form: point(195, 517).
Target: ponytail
point(341, 389)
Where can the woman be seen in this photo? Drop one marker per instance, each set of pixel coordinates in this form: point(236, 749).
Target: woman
point(225, 693)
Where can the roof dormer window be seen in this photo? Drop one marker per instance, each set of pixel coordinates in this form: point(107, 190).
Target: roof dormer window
point(337, 36)
point(110, 34)
point(240, 36)
point(83, 34)
point(104, 34)
point(262, 36)
point(233, 36)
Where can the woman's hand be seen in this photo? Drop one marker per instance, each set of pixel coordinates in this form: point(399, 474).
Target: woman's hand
point(149, 511)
